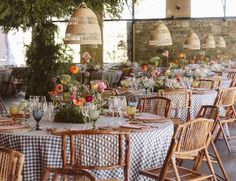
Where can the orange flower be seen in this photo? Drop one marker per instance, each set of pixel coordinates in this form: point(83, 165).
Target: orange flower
point(181, 55)
point(74, 69)
point(144, 67)
point(59, 88)
point(79, 101)
point(52, 93)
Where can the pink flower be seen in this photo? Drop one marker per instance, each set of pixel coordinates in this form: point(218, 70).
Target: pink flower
point(86, 74)
point(86, 57)
point(101, 86)
point(89, 98)
point(54, 79)
point(165, 53)
point(72, 97)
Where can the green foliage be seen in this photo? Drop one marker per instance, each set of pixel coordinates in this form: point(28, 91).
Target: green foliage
point(43, 59)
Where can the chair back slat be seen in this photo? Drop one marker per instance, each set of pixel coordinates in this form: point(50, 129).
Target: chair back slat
point(96, 149)
point(62, 174)
point(206, 84)
point(155, 105)
point(226, 97)
point(11, 165)
point(193, 136)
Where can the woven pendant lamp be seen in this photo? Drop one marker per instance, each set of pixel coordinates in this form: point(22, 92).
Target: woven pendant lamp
point(220, 42)
point(209, 42)
point(160, 35)
point(83, 27)
point(192, 41)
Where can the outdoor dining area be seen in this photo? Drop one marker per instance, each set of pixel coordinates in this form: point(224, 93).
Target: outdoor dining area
point(160, 105)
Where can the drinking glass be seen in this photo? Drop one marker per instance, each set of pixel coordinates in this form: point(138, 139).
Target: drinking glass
point(131, 110)
point(25, 109)
point(122, 105)
point(85, 112)
point(14, 110)
point(38, 111)
point(112, 104)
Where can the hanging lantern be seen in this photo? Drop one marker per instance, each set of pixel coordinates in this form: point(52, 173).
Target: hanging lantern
point(192, 41)
point(220, 42)
point(209, 42)
point(160, 36)
point(83, 27)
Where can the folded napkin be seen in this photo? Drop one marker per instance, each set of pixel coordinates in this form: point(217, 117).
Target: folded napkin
point(148, 117)
point(16, 127)
point(136, 126)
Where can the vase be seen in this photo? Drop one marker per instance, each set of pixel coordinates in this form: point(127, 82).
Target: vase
point(93, 115)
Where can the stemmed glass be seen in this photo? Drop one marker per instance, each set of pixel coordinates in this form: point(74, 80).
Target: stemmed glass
point(122, 105)
point(14, 110)
point(85, 112)
point(49, 110)
point(131, 110)
point(38, 111)
point(25, 109)
point(112, 104)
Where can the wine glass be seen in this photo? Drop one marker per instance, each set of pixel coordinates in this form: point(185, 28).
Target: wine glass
point(93, 115)
point(14, 110)
point(131, 110)
point(112, 104)
point(122, 105)
point(85, 112)
point(38, 111)
point(25, 109)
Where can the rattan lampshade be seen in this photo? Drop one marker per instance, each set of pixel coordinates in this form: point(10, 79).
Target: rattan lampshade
point(209, 42)
point(192, 41)
point(83, 27)
point(160, 35)
point(220, 42)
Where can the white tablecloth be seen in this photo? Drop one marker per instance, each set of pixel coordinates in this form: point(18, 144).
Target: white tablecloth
point(42, 150)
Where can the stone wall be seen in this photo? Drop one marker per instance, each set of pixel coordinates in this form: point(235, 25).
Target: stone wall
point(179, 28)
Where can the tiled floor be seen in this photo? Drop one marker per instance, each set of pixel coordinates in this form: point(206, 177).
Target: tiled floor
point(229, 159)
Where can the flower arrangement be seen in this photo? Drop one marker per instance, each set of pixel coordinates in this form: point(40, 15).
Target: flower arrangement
point(85, 58)
point(69, 96)
point(155, 60)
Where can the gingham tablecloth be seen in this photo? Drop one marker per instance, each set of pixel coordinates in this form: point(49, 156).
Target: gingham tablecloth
point(42, 150)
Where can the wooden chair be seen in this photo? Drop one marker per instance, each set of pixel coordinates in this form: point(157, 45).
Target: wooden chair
point(155, 105)
point(231, 75)
point(217, 73)
point(233, 82)
point(212, 112)
point(93, 82)
point(60, 174)
point(86, 146)
point(190, 140)
point(206, 83)
point(180, 100)
point(3, 109)
point(226, 100)
point(11, 165)
point(217, 80)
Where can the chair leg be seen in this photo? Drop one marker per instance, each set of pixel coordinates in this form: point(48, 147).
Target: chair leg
point(219, 161)
point(173, 162)
point(210, 164)
point(224, 136)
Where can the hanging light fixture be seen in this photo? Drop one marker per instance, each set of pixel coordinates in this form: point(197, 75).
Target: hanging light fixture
point(209, 42)
point(220, 42)
point(160, 35)
point(192, 41)
point(83, 27)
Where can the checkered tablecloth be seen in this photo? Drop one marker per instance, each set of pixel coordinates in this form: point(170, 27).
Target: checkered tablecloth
point(42, 150)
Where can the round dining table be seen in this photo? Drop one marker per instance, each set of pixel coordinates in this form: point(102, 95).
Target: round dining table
point(43, 149)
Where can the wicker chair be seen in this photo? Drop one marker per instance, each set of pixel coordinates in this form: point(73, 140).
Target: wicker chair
point(85, 146)
point(231, 75)
point(206, 83)
point(212, 112)
point(60, 174)
point(155, 105)
point(180, 100)
point(11, 165)
point(190, 140)
point(3, 110)
point(233, 82)
point(226, 99)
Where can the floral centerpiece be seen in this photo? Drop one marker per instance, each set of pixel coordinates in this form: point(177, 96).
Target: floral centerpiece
point(69, 97)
